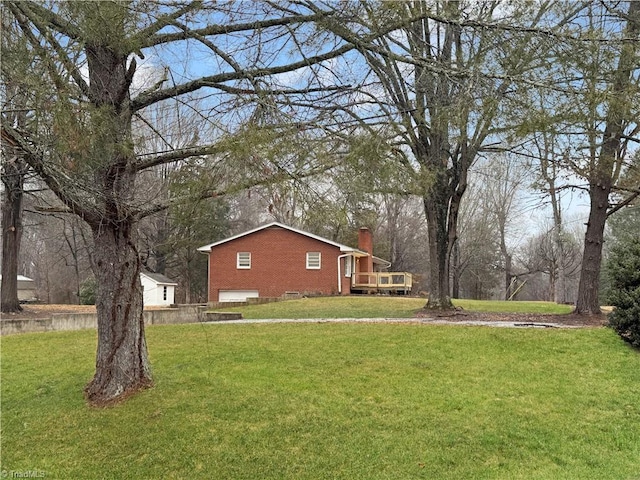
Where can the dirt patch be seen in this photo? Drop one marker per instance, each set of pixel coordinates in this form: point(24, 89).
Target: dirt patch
point(569, 319)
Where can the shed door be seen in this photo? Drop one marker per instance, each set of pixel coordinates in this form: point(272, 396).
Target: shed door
point(236, 295)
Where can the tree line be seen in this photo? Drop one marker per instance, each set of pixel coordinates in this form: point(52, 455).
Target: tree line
point(143, 126)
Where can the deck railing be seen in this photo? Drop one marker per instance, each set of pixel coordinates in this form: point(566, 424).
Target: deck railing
point(382, 281)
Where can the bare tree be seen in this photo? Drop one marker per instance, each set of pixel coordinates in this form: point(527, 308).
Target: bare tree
point(13, 174)
point(476, 255)
point(435, 87)
point(504, 179)
point(583, 109)
point(54, 252)
point(14, 170)
point(557, 256)
point(608, 150)
point(555, 181)
point(89, 159)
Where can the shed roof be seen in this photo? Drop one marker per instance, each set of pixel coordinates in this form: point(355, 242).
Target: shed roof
point(158, 278)
point(22, 278)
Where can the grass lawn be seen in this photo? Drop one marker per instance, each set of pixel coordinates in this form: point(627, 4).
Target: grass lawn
point(381, 307)
point(340, 401)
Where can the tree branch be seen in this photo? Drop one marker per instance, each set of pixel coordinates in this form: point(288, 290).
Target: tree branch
point(57, 22)
point(175, 155)
point(210, 30)
point(37, 161)
point(239, 187)
point(64, 58)
point(21, 18)
point(163, 21)
point(214, 81)
point(627, 201)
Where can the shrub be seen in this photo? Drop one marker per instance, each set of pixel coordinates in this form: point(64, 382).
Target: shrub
point(88, 291)
point(624, 294)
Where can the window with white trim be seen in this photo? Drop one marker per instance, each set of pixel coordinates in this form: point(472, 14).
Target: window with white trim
point(244, 260)
point(313, 260)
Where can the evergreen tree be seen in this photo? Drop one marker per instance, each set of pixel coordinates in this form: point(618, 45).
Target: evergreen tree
point(624, 274)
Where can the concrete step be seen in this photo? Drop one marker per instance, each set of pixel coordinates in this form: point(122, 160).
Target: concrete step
point(221, 316)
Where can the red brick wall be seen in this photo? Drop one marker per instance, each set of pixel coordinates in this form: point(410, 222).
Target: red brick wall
point(278, 265)
point(365, 243)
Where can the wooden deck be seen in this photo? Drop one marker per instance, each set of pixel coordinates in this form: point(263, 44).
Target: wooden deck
point(387, 282)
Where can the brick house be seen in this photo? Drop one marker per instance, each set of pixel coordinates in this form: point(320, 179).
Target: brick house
point(275, 260)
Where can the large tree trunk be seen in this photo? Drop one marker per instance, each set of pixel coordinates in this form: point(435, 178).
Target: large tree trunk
point(122, 362)
point(13, 172)
point(455, 271)
point(436, 207)
point(588, 289)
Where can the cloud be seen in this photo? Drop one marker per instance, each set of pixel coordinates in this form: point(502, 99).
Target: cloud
point(147, 74)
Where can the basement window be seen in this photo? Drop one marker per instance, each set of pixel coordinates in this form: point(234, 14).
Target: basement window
point(244, 260)
point(313, 260)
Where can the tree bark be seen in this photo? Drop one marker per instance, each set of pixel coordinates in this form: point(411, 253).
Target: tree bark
point(437, 205)
point(122, 362)
point(455, 271)
point(588, 289)
point(13, 172)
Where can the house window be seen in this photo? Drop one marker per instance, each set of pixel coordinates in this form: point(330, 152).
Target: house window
point(244, 260)
point(164, 293)
point(313, 261)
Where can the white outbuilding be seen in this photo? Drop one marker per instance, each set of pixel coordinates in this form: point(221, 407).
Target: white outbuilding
point(26, 288)
point(158, 290)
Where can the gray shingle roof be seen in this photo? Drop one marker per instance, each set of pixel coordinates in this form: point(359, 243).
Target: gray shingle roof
point(159, 278)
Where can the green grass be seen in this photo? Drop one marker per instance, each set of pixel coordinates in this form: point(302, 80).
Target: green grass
point(381, 307)
point(341, 401)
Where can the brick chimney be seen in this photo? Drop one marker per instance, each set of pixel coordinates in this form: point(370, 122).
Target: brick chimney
point(365, 243)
